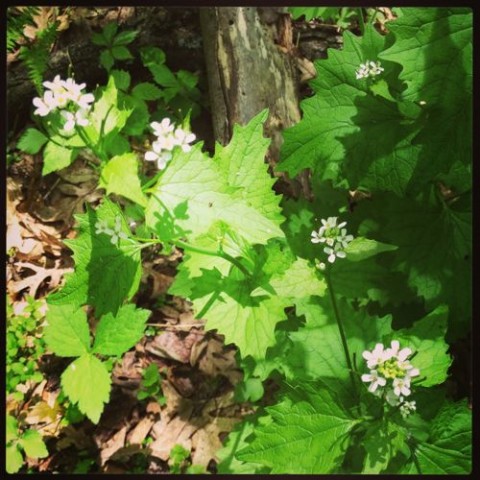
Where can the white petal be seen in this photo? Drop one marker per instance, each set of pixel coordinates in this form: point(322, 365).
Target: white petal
point(151, 156)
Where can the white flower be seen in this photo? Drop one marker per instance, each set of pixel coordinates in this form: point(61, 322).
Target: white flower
point(157, 154)
point(375, 380)
point(43, 108)
point(368, 69)
point(72, 119)
point(401, 355)
point(375, 357)
point(183, 139)
point(334, 252)
point(401, 386)
point(102, 227)
point(163, 128)
point(343, 239)
point(407, 408)
point(116, 233)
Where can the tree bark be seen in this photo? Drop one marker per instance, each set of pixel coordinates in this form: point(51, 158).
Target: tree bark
point(248, 71)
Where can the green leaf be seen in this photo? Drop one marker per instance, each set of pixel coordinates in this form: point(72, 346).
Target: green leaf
point(152, 55)
point(67, 333)
point(249, 390)
point(120, 176)
point(312, 12)
point(121, 78)
point(32, 141)
point(109, 31)
point(361, 248)
point(306, 437)
point(12, 428)
point(117, 334)
point(99, 39)
point(105, 274)
point(106, 60)
point(121, 53)
point(424, 38)
point(139, 118)
point(426, 337)
point(195, 180)
point(56, 157)
point(125, 37)
point(147, 91)
point(163, 76)
point(86, 381)
point(33, 444)
point(14, 459)
point(436, 460)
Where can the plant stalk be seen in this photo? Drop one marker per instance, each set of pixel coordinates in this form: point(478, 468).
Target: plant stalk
point(341, 329)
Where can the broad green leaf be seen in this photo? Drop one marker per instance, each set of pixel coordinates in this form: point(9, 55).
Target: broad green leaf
point(109, 31)
point(242, 161)
point(11, 428)
point(67, 333)
point(434, 48)
point(56, 157)
point(303, 437)
point(312, 12)
point(361, 248)
point(317, 350)
point(194, 180)
point(14, 458)
point(236, 441)
point(117, 334)
point(32, 141)
point(122, 79)
point(107, 116)
point(426, 337)
point(163, 76)
point(139, 118)
point(86, 381)
point(121, 53)
point(147, 91)
point(367, 132)
point(106, 60)
point(33, 444)
point(441, 461)
point(105, 274)
point(120, 176)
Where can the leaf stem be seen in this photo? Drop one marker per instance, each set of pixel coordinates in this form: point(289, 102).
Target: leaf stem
point(361, 21)
point(341, 329)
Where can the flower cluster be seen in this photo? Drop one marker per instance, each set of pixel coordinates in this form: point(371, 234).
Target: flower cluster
point(168, 137)
point(67, 96)
point(115, 233)
point(369, 69)
point(391, 365)
point(335, 236)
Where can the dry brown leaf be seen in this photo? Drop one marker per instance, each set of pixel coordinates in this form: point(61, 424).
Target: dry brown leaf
point(174, 345)
point(138, 434)
point(170, 432)
point(115, 442)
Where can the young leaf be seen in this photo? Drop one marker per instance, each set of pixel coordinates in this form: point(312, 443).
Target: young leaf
point(32, 141)
point(147, 91)
point(12, 428)
point(121, 53)
point(67, 333)
point(56, 157)
point(105, 274)
point(426, 337)
point(33, 444)
point(361, 248)
point(86, 381)
point(120, 176)
point(117, 334)
point(14, 458)
point(306, 437)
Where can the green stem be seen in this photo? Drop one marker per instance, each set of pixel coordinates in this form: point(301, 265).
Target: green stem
point(203, 251)
point(86, 139)
point(361, 21)
point(212, 253)
point(341, 329)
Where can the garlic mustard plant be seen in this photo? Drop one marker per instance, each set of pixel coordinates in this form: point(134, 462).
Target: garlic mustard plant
point(115, 233)
point(335, 236)
point(67, 97)
point(390, 365)
point(168, 137)
point(368, 69)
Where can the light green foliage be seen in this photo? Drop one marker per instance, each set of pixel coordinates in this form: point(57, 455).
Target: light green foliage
point(86, 381)
point(56, 157)
point(361, 248)
point(305, 437)
point(30, 441)
point(32, 141)
point(151, 385)
point(67, 332)
point(120, 176)
point(117, 334)
point(105, 274)
point(426, 337)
